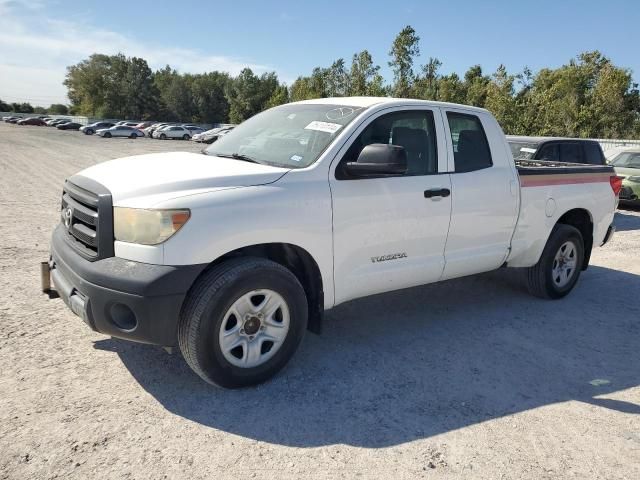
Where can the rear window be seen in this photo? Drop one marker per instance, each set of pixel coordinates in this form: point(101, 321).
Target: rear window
point(470, 146)
point(571, 153)
point(593, 153)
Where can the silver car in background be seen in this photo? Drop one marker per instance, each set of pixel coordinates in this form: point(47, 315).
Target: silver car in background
point(120, 131)
point(172, 131)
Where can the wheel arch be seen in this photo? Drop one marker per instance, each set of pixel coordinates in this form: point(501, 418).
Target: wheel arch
point(296, 259)
point(581, 219)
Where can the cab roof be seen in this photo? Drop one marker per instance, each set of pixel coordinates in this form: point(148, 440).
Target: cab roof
point(366, 102)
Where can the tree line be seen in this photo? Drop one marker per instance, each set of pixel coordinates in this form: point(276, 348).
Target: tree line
point(587, 97)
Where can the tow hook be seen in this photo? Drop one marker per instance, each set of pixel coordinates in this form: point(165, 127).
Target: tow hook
point(45, 280)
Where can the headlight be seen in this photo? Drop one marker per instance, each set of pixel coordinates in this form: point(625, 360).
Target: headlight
point(147, 227)
point(635, 179)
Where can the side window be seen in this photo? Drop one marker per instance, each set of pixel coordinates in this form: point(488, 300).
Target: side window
point(571, 153)
point(549, 152)
point(593, 153)
point(412, 129)
point(470, 146)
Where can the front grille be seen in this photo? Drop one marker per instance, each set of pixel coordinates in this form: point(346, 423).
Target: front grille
point(86, 215)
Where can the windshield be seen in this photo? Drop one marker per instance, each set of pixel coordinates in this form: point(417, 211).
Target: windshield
point(291, 136)
point(523, 151)
point(627, 160)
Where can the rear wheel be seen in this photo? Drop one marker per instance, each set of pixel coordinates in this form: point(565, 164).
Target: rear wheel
point(242, 322)
point(89, 131)
point(163, 136)
point(558, 269)
point(133, 135)
point(186, 137)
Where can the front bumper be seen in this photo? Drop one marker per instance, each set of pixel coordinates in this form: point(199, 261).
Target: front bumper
point(131, 300)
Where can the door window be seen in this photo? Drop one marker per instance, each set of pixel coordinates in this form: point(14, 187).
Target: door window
point(412, 129)
point(470, 146)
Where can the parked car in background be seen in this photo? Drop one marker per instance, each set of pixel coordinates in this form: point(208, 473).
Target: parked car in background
point(143, 125)
point(57, 122)
point(626, 162)
point(212, 135)
point(194, 129)
point(14, 120)
point(172, 132)
point(156, 126)
point(94, 127)
point(32, 121)
point(9, 119)
point(120, 131)
point(69, 126)
point(551, 149)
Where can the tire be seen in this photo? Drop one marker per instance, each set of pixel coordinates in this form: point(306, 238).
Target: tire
point(210, 306)
point(107, 135)
point(186, 137)
point(133, 135)
point(89, 131)
point(163, 136)
point(548, 278)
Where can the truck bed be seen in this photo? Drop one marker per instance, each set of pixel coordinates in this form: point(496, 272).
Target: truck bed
point(540, 173)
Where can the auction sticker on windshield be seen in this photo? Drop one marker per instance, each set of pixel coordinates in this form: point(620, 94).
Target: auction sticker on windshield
point(323, 126)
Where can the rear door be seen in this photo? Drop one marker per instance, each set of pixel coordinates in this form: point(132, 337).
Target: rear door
point(390, 232)
point(484, 192)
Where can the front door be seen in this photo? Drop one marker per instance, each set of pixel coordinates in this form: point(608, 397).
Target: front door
point(390, 232)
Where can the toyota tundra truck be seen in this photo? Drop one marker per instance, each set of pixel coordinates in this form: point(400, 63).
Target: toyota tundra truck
point(231, 255)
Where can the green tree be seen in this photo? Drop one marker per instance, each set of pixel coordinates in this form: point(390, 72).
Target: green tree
point(249, 94)
point(4, 107)
point(426, 85)
point(364, 76)
point(140, 93)
point(280, 96)
point(500, 98)
point(403, 51)
point(58, 109)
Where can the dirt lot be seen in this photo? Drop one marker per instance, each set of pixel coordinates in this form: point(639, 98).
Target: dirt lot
point(471, 378)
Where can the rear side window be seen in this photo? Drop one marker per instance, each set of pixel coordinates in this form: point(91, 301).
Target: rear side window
point(549, 152)
point(470, 146)
point(593, 153)
point(571, 153)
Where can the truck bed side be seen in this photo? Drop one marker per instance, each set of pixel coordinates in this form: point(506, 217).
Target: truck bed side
point(551, 190)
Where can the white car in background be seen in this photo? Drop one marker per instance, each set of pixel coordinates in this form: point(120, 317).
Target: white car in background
point(194, 129)
point(212, 135)
point(120, 131)
point(172, 131)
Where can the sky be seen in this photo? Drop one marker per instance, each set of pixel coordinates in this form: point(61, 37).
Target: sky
point(39, 38)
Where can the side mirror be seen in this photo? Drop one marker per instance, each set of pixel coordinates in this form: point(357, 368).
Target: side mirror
point(379, 159)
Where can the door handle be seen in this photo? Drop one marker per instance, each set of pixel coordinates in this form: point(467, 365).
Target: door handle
point(437, 192)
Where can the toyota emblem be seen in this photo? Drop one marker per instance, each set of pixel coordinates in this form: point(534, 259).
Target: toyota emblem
point(66, 217)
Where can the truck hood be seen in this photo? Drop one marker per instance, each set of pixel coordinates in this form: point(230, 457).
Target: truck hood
point(145, 180)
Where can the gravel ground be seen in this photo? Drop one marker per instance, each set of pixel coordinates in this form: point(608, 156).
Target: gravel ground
point(471, 378)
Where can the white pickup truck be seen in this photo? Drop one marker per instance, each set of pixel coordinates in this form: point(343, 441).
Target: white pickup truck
point(233, 254)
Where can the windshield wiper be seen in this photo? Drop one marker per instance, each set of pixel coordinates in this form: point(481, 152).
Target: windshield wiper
point(237, 156)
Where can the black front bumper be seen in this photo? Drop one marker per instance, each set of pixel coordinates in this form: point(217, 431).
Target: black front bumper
point(131, 300)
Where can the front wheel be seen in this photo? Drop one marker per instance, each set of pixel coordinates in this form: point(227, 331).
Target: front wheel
point(133, 135)
point(163, 136)
point(107, 135)
point(242, 322)
point(558, 269)
point(186, 137)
